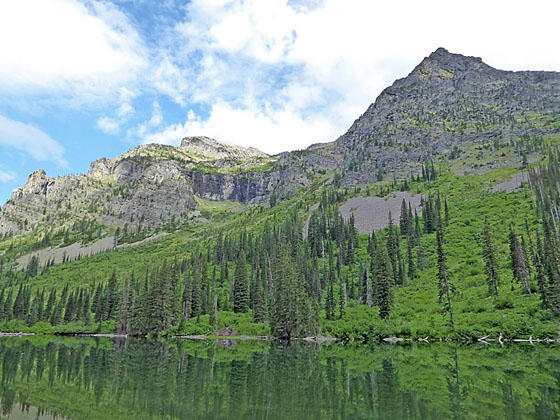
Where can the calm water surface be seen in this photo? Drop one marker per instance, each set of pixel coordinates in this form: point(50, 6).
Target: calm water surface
point(87, 378)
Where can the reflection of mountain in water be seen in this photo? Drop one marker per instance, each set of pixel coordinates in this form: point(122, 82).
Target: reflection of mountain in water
point(102, 378)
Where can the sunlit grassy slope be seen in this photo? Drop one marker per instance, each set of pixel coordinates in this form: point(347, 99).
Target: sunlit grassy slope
point(416, 311)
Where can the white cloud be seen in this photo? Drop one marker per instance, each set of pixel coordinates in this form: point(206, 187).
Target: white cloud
point(126, 96)
point(108, 125)
point(157, 116)
point(275, 74)
point(283, 75)
point(77, 52)
point(272, 132)
point(112, 125)
point(147, 128)
point(30, 140)
point(171, 80)
point(6, 176)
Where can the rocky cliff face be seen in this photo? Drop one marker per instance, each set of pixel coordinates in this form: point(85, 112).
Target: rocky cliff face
point(205, 148)
point(148, 186)
point(448, 101)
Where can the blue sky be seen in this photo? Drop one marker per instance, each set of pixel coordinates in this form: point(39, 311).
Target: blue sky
point(81, 80)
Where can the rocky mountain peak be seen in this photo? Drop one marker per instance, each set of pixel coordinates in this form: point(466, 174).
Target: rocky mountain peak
point(441, 64)
point(38, 174)
point(448, 102)
point(206, 148)
point(36, 181)
point(35, 186)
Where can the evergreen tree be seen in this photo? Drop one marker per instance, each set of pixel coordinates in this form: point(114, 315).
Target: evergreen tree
point(420, 255)
point(417, 230)
point(393, 250)
point(41, 306)
point(33, 266)
point(51, 302)
point(404, 219)
point(342, 298)
point(17, 309)
point(7, 307)
point(490, 260)
point(411, 266)
point(161, 305)
point(329, 302)
point(214, 302)
point(126, 303)
point(196, 298)
point(99, 304)
point(140, 312)
point(112, 296)
point(383, 281)
point(85, 312)
point(518, 261)
point(33, 314)
point(259, 307)
point(444, 285)
point(241, 286)
point(69, 310)
point(187, 297)
point(283, 314)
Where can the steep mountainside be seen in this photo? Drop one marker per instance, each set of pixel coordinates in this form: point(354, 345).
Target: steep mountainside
point(147, 186)
point(447, 105)
point(434, 216)
point(447, 101)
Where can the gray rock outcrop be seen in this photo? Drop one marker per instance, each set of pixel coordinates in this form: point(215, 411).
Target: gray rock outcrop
point(447, 101)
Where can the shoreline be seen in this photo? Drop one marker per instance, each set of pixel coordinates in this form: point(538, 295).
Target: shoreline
point(394, 340)
point(312, 339)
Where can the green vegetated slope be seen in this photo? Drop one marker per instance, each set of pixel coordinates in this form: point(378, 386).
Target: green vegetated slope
point(97, 379)
point(197, 276)
point(471, 262)
point(417, 310)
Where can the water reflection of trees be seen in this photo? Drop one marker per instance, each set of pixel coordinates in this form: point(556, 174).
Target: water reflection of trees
point(90, 378)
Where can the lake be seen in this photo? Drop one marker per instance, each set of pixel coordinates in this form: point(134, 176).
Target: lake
point(101, 378)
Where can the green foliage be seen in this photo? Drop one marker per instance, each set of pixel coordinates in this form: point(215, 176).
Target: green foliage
point(241, 322)
point(241, 285)
point(384, 296)
point(291, 283)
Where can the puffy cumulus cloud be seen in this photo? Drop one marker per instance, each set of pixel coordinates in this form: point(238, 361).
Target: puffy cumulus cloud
point(79, 52)
point(270, 131)
point(276, 74)
point(335, 33)
point(293, 67)
point(30, 140)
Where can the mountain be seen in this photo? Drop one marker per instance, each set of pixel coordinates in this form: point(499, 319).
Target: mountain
point(149, 185)
point(448, 102)
point(435, 215)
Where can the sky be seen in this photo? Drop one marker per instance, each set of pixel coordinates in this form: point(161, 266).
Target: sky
point(81, 80)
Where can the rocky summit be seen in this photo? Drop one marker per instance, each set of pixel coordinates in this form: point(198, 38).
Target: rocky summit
point(146, 187)
point(448, 104)
point(447, 101)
